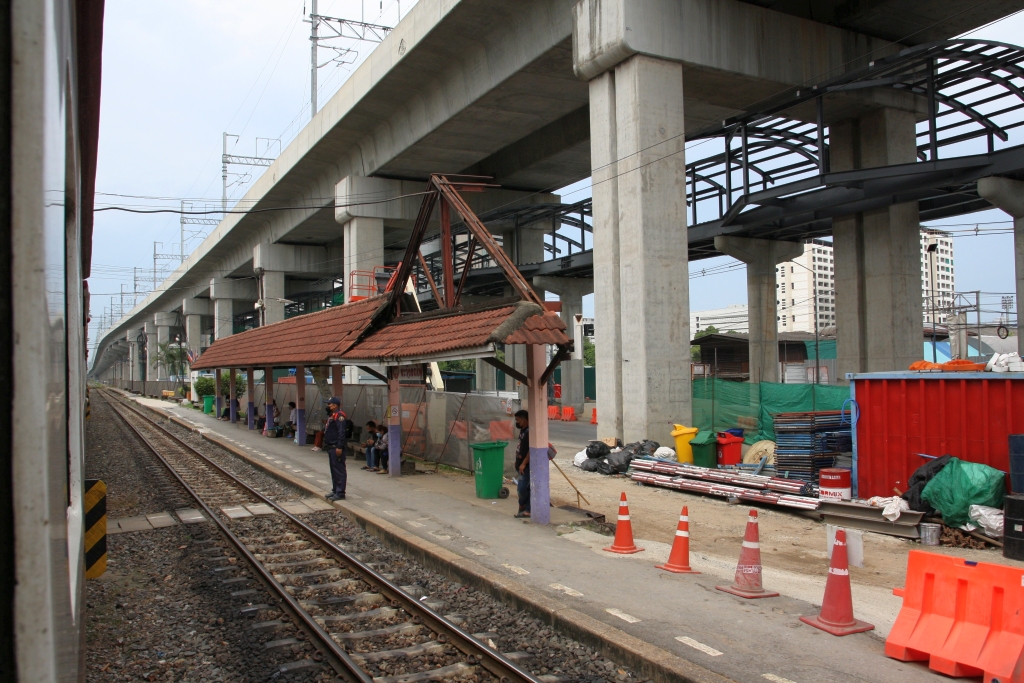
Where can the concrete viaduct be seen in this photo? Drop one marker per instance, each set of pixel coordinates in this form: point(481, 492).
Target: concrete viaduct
point(542, 93)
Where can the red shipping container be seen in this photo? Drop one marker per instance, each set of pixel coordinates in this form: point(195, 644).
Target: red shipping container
point(966, 414)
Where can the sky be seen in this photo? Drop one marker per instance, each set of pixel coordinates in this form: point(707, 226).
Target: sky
point(177, 76)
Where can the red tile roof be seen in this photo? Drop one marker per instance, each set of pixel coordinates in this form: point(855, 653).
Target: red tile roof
point(316, 338)
point(308, 339)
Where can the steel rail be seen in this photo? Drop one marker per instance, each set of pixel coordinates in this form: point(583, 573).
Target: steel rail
point(341, 663)
point(493, 661)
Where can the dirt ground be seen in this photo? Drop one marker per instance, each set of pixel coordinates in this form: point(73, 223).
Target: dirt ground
point(792, 540)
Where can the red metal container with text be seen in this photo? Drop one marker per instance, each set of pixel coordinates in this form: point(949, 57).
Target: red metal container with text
point(965, 414)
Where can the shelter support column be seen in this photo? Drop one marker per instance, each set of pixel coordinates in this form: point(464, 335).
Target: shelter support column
point(268, 381)
point(877, 254)
point(540, 491)
point(1008, 195)
point(338, 380)
point(218, 401)
point(762, 257)
point(570, 291)
point(394, 424)
point(232, 395)
point(250, 381)
point(300, 405)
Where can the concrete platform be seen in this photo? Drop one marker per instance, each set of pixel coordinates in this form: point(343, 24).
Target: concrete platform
point(742, 640)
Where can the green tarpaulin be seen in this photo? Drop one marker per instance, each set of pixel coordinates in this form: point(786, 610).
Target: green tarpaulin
point(826, 347)
point(719, 404)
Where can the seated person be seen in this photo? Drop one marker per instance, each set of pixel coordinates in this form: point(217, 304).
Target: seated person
point(382, 449)
point(370, 446)
point(261, 420)
point(226, 413)
point(293, 419)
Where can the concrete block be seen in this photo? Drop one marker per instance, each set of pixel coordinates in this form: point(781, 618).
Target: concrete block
point(160, 520)
point(236, 512)
point(139, 523)
point(190, 306)
point(190, 516)
point(165, 319)
point(226, 288)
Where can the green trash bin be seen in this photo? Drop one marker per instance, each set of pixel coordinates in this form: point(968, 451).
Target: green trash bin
point(208, 403)
point(489, 466)
point(705, 453)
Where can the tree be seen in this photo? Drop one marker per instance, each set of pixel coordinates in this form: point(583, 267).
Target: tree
point(464, 365)
point(695, 350)
point(589, 352)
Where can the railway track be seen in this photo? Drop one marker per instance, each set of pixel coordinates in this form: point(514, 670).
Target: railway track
point(367, 627)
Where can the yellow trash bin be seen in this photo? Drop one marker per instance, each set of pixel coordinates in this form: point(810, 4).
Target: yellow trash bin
point(682, 435)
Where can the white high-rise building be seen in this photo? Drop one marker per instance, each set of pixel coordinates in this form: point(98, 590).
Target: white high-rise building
point(938, 278)
point(800, 282)
point(810, 280)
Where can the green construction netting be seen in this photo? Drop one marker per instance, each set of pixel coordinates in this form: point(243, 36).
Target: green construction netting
point(720, 404)
point(827, 348)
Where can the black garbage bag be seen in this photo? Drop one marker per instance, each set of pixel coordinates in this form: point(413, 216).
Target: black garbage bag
point(919, 479)
point(603, 466)
point(648, 447)
point(634, 449)
point(619, 461)
point(598, 449)
point(589, 465)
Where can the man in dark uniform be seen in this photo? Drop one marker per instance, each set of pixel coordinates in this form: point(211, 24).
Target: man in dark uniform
point(522, 463)
point(334, 444)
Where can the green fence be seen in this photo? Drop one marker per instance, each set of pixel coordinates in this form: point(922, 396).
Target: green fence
point(720, 404)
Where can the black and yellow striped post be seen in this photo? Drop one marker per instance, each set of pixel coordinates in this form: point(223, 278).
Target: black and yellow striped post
point(95, 528)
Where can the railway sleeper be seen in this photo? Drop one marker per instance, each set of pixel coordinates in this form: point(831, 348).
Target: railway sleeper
point(316, 561)
point(426, 648)
point(405, 628)
point(359, 599)
point(274, 557)
point(332, 572)
point(345, 583)
point(380, 613)
point(460, 670)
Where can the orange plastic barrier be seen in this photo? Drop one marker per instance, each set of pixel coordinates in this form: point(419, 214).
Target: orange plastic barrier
point(553, 413)
point(460, 430)
point(501, 430)
point(593, 417)
point(964, 617)
point(568, 414)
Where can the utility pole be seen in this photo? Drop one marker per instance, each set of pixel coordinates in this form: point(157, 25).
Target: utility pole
point(348, 29)
point(237, 160)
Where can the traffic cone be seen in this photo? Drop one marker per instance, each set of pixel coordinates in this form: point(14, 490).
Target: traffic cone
point(593, 416)
point(836, 615)
point(623, 532)
point(747, 583)
point(679, 558)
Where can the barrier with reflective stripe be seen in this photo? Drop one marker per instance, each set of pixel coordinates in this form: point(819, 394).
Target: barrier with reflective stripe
point(95, 528)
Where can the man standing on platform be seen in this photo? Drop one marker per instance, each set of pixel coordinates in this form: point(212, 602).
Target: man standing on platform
point(522, 463)
point(335, 434)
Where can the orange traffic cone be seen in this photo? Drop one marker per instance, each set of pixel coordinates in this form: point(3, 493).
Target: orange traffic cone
point(623, 532)
point(593, 416)
point(747, 583)
point(679, 558)
point(837, 608)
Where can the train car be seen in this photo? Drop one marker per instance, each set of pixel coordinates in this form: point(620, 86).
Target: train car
point(50, 56)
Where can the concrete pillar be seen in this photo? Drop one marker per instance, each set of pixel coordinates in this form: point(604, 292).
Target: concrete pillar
point(570, 292)
point(232, 395)
point(641, 293)
point(250, 381)
point(151, 354)
point(537, 406)
point(273, 295)
point(364, 248)
point(486, 377)
point(762, 257)
point(607, 286)
point(877, 254)
point(300, 405)
point(193, 310)
point(228, 297)
point(163, 322)
point(394, 424)
point(268, 381)
point(1008, 195)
